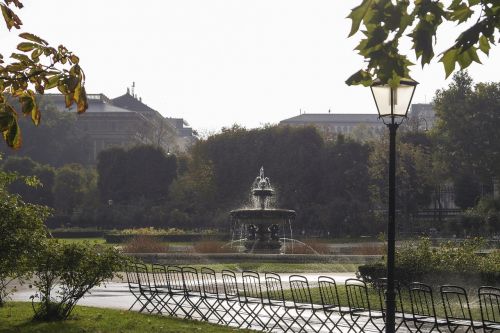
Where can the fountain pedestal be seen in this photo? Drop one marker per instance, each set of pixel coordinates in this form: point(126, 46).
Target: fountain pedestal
point(262, 238)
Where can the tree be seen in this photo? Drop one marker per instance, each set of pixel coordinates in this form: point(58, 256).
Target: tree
point(56, 141)
point(40, 194)
point(22, 233)
point(34, 68)
point(71, 184)
point(326, 183)
point(142, 172)
point(388, 23)
point(467, 126)
point(414, 176)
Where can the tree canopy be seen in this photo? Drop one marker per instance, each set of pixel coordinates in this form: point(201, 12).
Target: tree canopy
point(34, 68)
point(385, 24)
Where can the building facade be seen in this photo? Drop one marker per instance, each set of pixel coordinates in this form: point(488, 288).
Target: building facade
point(329, 125)
point(360, 125)
point(125, 122)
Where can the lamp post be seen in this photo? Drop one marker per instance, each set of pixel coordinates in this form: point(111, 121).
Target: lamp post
point(392, 106)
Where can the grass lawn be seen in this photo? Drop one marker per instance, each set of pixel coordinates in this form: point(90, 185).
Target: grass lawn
point(262, 267)
point(16, 317)
point(374, 300)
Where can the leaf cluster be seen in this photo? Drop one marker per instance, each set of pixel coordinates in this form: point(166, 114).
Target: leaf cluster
point(386, 23)
point(34, 68)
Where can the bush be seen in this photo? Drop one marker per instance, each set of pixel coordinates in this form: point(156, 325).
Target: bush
point(449, 263)
point(145, 244)
point(22, 233)
point(76, 268)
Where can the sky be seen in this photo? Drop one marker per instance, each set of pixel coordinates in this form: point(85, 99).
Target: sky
point(216, 63)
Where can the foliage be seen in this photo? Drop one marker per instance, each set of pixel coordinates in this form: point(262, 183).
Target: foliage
point(467, 127)
point(34, 68)
point(451, 262)
point(71, 184)
point(24, 166)
point(76, 268)
point(140, 172)
point(483, 219)
point(57, 140)
point(326, 183)
point(17, 317)
point(22, 234)
point(413, 175)
point(388, 24)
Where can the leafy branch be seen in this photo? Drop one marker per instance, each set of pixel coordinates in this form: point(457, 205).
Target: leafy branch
point(385, 23)
point(33, 69)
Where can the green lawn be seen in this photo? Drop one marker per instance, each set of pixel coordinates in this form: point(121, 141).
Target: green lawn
point(262, 267)
point(16, 317)
point(374, 300)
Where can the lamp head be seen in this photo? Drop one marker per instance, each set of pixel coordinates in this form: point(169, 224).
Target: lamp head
point(393, 102)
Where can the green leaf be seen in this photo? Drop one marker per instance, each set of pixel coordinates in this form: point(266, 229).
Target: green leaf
point(35, 55)
point(484, 45)
point(33, 38)
point(52, 82)
point(464, 59)
point(360, 77)
point(21, 57)
point(26, 47)
point(461, 13)
point(377, 37)
point(448, 59)
point(357, 14)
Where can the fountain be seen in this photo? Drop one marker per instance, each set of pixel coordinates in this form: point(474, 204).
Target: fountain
point(261, 228)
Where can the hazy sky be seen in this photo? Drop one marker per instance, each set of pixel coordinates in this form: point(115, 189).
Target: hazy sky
point(220, 62)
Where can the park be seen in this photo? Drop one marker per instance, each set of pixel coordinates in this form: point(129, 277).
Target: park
point(381, 216)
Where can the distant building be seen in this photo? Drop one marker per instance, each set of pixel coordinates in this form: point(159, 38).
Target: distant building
point(421, 117)
point(331, 124)
point(124, 122)
point(360, 125)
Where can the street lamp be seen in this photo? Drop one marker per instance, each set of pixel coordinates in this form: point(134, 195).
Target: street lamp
point(392, 106)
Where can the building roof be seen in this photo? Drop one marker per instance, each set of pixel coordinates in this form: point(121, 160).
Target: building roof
point(97, 103)
point(127, 101)
point(332, 118)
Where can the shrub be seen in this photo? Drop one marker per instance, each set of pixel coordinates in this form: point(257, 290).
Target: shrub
point(76, 268)
point(449, 263)
point(22, 233)
point(145, 244)
point(150, 231)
